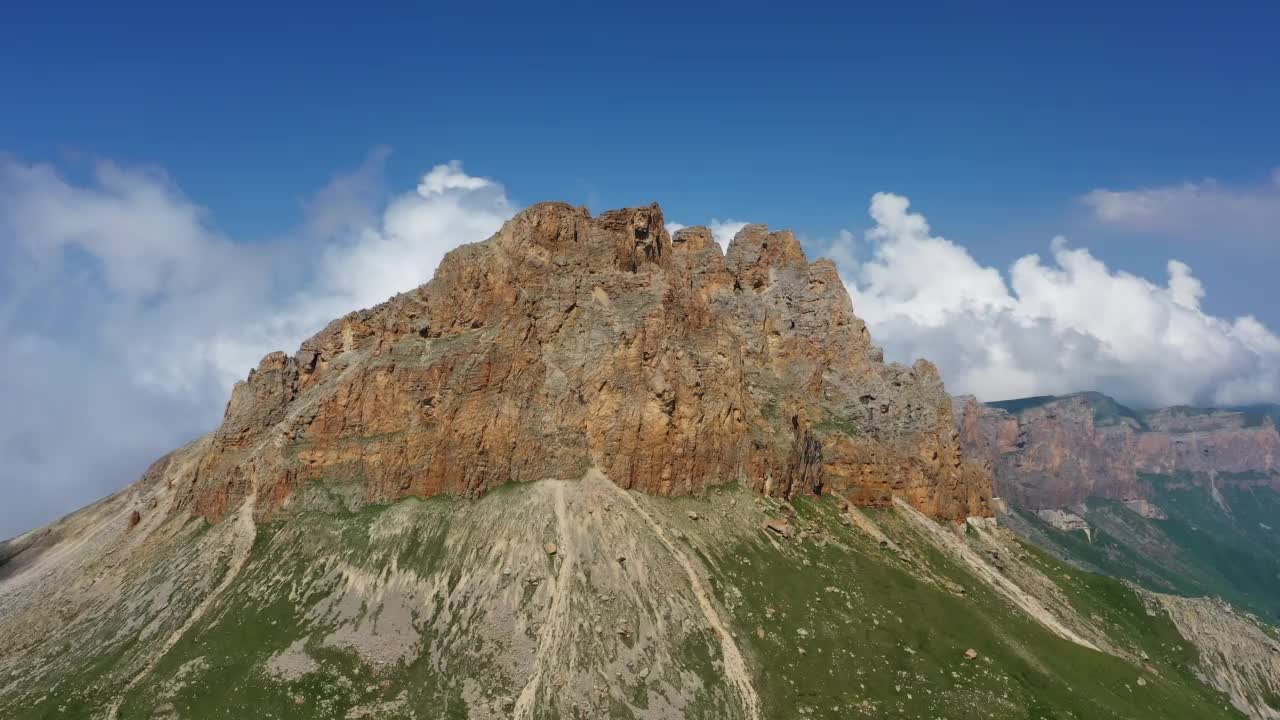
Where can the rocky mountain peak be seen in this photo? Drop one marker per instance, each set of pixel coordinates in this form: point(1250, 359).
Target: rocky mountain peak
point(755, 247)
point(567, 343)
point(694, 239)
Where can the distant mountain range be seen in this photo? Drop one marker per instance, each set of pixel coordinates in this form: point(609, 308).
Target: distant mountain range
point(1181, 499)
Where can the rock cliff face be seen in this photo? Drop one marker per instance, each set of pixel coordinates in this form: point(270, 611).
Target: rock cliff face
point(1054, 452)
point(566, 343)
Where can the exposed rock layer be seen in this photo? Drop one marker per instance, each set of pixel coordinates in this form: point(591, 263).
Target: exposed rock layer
point(1057, 452)
point(567, 342)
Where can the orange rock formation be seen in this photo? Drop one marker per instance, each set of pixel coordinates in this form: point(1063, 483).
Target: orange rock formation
point(566, 342)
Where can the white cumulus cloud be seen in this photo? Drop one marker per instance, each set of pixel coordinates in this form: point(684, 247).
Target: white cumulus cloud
point(724, 230)
point(1049, 325)
point(449, 176)
point(128, 315)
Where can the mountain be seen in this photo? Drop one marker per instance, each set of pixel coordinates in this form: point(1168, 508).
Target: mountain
point(1182, 499)
point(568, 342)
point(593, 470)
point(1053, 452)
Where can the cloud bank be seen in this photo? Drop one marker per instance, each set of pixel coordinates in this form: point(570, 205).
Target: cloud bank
point(127, 315)
point(1049, 325)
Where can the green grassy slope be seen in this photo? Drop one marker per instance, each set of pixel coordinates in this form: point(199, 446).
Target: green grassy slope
point(1237, 541)
point(445, 609)
point(1229, 549)
point(853, 631)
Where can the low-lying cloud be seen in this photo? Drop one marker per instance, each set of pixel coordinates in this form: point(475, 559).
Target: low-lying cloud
point(1049, 325)
point(127, 315)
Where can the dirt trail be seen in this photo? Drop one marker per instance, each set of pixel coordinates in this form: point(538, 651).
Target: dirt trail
point(735, 667)
point(243, 532)
point(558, 620)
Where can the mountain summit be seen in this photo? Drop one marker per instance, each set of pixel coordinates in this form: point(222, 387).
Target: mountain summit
point(566, 343)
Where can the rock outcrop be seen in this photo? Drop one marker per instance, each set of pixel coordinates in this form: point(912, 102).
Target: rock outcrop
point(1238, 654)
point(1066, 521)
point(1055, 452)
point(567, 342)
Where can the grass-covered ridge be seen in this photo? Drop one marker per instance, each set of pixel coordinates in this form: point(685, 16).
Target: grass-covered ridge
point(1106, 411)
point(1019, 405)
point(578, 600)
point(845, 628)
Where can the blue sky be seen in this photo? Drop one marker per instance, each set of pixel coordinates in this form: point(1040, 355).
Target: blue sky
point(185, 188)
point(994, 120)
